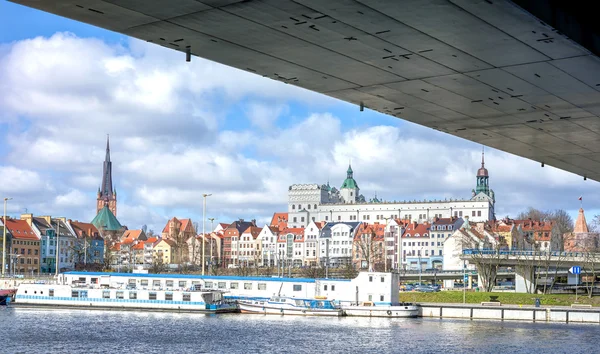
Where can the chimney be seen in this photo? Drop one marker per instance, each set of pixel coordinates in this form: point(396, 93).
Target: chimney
point(253, 222)
point(28, 218)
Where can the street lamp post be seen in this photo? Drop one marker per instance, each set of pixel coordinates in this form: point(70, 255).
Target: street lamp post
point(211, 242)
point(385, 256)
point(6, 199)
point(420, 266)
point(203, 231)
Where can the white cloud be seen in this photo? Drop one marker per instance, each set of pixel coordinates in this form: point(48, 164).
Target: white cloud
point(176, 134)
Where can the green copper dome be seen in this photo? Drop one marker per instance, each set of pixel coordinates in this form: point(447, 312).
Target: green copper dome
point(349, 182)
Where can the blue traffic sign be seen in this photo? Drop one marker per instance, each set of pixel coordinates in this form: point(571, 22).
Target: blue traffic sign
point(575, 270)
point(466, 278)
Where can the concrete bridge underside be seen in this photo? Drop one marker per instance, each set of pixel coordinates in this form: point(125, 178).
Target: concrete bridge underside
point(485, 70)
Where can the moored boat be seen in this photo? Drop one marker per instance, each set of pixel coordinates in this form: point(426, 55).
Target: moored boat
point(371, 309)
point(282, 305)
point(6, 295)
point(192, 299)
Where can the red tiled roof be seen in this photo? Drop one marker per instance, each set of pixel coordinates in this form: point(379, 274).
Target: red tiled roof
point(293, 230)
point(151, 240)
point(138, 246)
point(414, 228)
point(130, 235)
point(116, 247)
point(185, 223)
point(19, 229)
point(83, 227)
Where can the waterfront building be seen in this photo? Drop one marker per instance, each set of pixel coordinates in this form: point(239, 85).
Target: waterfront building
point(24, 252)
point(314, 202)
point(267, 240)
point(581, 239)
point(179, 231)
point(231, 235)
point(42, 227)
point(335, 243)
point(220, 227)
point(89, 245)
point(149, 249)
point(163, 251)
point(194, 248)
point(108, 226)
point(66, 243)
point(311, 243)
point(107, 196)
point(289, 247)
point(247, 249)
point(369, 247)
point(417, 246)
point(468, 236)
point(540, 235)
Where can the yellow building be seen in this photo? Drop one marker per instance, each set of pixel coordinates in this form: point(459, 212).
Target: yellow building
point(163, 250)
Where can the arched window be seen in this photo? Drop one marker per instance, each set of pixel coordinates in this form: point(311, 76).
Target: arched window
point(293, 206)
point(315, 206)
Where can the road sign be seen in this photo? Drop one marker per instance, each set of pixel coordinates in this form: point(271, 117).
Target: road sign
point(466, 278)
point(575, 270)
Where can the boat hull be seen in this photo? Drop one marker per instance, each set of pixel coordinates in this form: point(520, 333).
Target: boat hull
point(266, 309)
point(382, 311)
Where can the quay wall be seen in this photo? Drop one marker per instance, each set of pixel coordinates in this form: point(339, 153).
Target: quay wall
point(510, 312)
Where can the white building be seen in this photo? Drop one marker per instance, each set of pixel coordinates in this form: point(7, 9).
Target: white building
point(313, 202)
point(335, 243)
point(267, 240)
point(311, 243)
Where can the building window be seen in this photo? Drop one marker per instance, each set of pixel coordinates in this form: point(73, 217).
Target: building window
point(302, 219)
point(370, 278)
point(382, 279)
point(308, 206)
point(326, 218)
point(478, 212)
point(315, 206)
point(295, 219)
point(339, 217)
point(297, 287)
point(293, 206)
point(473, 213)
point(460, 214)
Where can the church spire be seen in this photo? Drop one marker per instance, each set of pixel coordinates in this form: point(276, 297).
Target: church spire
point(106, 194)
point(107, 158)
point(107, 187)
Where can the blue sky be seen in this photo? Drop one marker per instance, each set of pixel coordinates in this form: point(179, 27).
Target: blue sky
point(182, 129)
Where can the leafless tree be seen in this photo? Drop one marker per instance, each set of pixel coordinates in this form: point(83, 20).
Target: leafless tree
point(369, 250)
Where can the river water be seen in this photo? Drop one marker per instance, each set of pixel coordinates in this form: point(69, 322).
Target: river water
point(92, 331)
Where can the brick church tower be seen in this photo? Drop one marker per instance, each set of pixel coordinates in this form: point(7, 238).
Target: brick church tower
point(106, 194)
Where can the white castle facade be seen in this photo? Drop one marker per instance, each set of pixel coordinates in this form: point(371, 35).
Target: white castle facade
point(314, 202)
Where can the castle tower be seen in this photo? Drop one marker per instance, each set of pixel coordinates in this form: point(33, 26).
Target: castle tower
point(349, 190)
point(483, 183)
point(106, 194)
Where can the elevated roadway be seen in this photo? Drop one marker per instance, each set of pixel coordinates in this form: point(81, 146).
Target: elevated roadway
point(485, 70)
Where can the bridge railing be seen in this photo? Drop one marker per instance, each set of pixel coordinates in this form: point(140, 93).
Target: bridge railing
point(470, 252)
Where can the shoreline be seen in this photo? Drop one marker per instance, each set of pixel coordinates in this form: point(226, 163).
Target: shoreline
point(546, 314)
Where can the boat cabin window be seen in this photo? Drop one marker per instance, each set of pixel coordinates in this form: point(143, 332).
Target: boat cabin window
point(119, 295)
point(222, 285)
point(297, 287)
point(381, 298)
point(144, 282)
point(299, 302)
point(169, 296)
point(262, 286)
point(325, 287)
point(106, 294)
point(233, 285)
point(94, 281)
point(156, 283)
point(82, 280)
point(169, 283)
point(333, 288)
point(370, 297)
point(132, 295)
point(247, 286)
point(208, 284)
point(74, 293)
point(131, 282)
point(83, 293)
point(187, 297)
point(370, 278)
point(183, 283)
point(382, 279)
point(151, 296)
point(51, 292)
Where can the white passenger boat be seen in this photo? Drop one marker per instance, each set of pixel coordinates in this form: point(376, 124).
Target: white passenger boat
point(282, 305)
point(370, 309)
point(90, 296)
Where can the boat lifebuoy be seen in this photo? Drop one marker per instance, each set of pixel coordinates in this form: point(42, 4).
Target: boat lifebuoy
point(389, 312)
